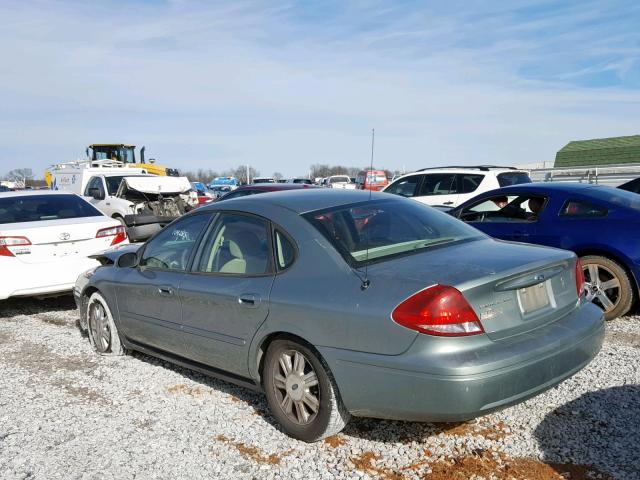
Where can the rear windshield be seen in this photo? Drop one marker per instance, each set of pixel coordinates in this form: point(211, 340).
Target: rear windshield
point(35, 208)
point(376, 178)
point(339, 180)
point(375, 230)
point(513, 178)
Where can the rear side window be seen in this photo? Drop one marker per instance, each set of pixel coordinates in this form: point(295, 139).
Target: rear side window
point(513, 178)
point(468, 182)
point(438, 184)
point(237, 245)
point(405, 187)
point(578, 208)
point(36, 208)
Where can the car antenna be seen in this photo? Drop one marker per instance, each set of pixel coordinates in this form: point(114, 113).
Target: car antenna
point(366, 282)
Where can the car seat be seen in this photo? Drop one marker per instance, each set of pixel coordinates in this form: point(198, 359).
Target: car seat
point(248, 255)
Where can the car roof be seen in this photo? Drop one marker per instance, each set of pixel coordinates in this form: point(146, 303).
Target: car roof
point(268, 187)
point(25, 193)
point(553, 187)
point(476, 170)
point(301, 200)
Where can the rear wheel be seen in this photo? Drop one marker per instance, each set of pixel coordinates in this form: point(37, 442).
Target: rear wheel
point(103, 333)
point(609, 284)
point(301, 392)
point(120, 219)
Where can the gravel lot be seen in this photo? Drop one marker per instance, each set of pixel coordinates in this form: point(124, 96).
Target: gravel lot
point(67, 413)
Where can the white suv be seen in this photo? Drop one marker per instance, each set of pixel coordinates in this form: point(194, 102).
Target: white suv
point(451, 186)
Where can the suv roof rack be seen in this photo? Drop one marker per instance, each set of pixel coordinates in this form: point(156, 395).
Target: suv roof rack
point(484, 168)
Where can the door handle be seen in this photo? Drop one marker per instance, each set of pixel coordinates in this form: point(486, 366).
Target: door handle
point(165, 291)
point(249, 300)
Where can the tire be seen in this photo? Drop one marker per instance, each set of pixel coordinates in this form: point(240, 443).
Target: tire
point(120, 219)
point(102, 331)
point(618, 298)
point(330, 415)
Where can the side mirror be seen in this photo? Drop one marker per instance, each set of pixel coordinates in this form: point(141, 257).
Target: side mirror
point(96, 194)
point(127, 260)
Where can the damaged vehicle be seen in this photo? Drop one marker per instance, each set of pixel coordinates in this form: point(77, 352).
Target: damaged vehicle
point(142, 203)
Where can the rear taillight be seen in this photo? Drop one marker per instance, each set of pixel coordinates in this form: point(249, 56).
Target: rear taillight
point(118, 233)
point(439, 310)
point(6, 242)
point(579, 278)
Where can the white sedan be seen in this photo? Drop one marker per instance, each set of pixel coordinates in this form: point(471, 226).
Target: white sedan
point(46, 238)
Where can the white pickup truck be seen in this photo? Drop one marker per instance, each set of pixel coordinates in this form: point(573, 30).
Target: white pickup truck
point(142, 202)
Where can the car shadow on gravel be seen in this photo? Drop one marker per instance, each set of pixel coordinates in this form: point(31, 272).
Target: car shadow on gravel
point(33, 306)
point(600, 429)
point(254, 399)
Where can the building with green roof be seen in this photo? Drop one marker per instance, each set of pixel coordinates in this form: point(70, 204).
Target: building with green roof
point(600, 152)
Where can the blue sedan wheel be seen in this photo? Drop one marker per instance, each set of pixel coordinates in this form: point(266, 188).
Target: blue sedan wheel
point(608, 284)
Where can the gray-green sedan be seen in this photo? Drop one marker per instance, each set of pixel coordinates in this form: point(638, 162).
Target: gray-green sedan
point(338, 303)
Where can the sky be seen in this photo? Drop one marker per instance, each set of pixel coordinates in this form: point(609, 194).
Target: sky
point(283, 85)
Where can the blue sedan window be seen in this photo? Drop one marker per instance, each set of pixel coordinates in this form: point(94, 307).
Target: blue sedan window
point(577, 208)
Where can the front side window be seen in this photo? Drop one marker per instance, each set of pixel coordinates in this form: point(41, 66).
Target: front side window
point(385, 228)
point(579, 208)
point(36, 208)
point(236, 244)
point(172, 247)
point(438, 184)
point(405, 187)
point(95, 183)
point(505, 208)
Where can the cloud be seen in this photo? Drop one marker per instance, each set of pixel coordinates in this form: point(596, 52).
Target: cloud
point(285, 85)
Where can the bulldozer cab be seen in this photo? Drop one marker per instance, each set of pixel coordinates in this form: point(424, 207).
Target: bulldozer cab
point(122, 153)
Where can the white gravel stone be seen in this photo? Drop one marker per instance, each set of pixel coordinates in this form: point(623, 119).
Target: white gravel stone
point(67, 413)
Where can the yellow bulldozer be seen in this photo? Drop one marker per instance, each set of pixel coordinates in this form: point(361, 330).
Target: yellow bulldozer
point(119, 155)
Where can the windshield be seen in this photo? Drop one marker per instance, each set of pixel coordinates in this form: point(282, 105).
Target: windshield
point(385, 228)
point(35, 208)
point(113, 182)
point(122, 154)
point(224, 181)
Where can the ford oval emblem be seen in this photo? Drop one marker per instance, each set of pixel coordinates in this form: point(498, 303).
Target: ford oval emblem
point(65, 236)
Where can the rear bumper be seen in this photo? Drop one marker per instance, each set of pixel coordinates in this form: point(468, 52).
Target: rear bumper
point(432, 382)
point(25, 279)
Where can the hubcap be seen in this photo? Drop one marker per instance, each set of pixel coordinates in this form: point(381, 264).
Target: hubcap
point(296, 387)
point(99, 326)
point(602, 285)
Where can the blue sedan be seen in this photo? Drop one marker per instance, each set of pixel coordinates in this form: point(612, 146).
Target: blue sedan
point(600, 224)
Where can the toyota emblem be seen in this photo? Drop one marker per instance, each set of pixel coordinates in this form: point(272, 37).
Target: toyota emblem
point(65, 236)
